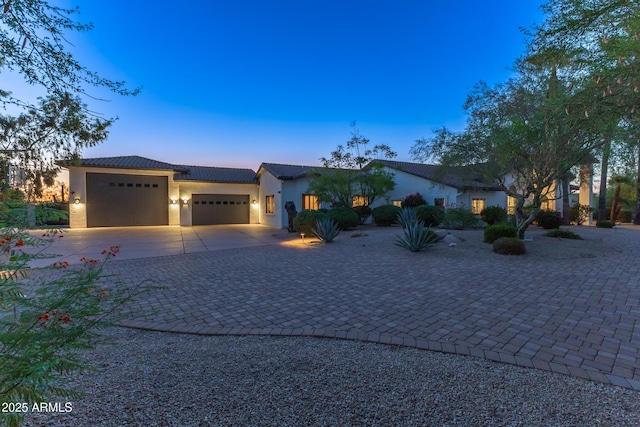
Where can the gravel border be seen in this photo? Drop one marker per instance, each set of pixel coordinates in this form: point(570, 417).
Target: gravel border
point(146, 378)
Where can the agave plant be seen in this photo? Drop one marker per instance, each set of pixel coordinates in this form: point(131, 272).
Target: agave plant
point(326, 230)
point(415, 237)
point(407, 216)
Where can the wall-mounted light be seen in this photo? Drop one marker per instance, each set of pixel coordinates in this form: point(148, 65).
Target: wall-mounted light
point(185, 201)
point(174, 201)
point(254, 202)
point(76, 200)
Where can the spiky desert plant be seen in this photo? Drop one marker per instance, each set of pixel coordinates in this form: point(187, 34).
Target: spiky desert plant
point(407, 216)
point(415, 237)
point(326, 230)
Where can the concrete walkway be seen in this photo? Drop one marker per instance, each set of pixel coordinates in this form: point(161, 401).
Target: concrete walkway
point(577, 314)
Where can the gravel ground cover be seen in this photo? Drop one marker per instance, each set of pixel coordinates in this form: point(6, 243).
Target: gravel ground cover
point(148, 378)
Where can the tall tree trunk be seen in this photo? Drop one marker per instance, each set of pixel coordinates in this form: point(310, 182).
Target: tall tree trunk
point(602, 195)
point(615, 209)
point(636, 220)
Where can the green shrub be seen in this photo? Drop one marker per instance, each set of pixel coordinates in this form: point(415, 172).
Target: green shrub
point(625, 215)
point(363, 213)
point(578, 213)
point(496, 231)
point(563, 234)
point(548, 219)
point(306, 220)
point(415, 237)
point(385, 215)
point(509, 246)
point(345, 218)
point(493, 214)
point(459, 218)
point(326, 230)
point(413, 201)
point(605, 224)
point(430, 215)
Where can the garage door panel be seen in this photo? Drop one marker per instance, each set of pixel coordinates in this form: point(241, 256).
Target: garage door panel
point(115, 200)
point(220, 209)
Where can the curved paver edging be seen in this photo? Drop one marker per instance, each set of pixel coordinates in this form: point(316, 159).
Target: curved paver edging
point(576, 314)
point(418, 343)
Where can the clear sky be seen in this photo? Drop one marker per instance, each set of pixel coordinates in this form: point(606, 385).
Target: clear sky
point(238, 82)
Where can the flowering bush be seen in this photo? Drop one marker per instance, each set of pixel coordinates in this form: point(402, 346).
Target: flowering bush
point(413, 201)
point(47, 316)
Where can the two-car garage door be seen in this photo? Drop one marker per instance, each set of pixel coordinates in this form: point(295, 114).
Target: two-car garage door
point(220, 209)
point(118, 200)
point(115, 200)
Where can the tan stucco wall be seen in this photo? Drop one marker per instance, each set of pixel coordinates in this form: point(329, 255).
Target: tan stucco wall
point(179, 213)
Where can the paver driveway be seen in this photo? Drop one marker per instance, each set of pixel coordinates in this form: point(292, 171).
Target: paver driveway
point(576, 314)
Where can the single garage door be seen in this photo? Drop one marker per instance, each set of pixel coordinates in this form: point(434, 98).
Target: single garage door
point(116, 200)
point(220, 209)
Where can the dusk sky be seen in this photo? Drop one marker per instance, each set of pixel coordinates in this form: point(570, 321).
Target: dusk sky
point(236, 83)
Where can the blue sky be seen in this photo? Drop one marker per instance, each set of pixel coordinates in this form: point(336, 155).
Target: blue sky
point(237, 82)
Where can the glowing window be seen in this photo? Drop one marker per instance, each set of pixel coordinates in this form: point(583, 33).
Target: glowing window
point(477, 206)
point(310, 201)
point(360, 201)
point(270, 204)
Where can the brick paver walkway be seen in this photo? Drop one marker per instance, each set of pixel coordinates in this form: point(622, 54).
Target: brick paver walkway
point(576, 314)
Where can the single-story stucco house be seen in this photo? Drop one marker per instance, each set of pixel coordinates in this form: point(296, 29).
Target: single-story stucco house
point(133, 190)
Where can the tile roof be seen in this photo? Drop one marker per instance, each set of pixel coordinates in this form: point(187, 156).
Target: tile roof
point(124, 162)
point(183, 172)
point(462, 177)
point(287, 172)
point(215, 174)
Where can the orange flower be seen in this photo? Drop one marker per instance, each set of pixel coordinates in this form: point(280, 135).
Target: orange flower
point(20, 243)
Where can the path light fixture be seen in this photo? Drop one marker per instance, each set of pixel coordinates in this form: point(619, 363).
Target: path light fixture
point(302, 235)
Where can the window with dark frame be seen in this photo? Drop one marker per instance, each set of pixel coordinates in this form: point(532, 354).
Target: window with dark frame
point(270, 204)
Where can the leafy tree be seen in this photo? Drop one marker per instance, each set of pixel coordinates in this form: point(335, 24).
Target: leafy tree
point(58, 128)
point(352, 171)
point(597, 42)
point(520, 134)
point(34, 44)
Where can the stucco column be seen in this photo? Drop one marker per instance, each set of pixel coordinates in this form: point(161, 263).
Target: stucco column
point(586, 188)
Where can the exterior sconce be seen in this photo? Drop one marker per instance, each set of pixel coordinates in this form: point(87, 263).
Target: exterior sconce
point(76, 200)
point(254, 202)
point(174, 201)
point(185, 202)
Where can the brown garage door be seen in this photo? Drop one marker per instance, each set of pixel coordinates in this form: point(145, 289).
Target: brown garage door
point(220, 209)
point(115, 200)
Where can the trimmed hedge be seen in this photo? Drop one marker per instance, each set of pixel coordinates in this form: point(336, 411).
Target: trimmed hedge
point(305, 221)
point(509, 246)
point(386, 215)
point(496, 231)
point(493, 214)
point(430, 215)
point(548, 219)
point(345, 218)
